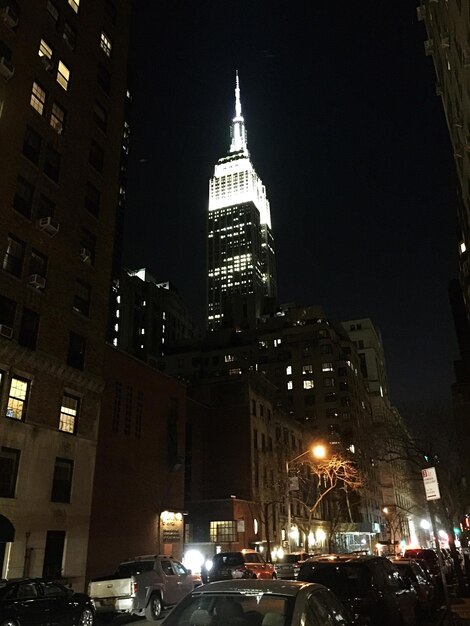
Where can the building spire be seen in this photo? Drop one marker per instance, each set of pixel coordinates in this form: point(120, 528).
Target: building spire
point(238, 132)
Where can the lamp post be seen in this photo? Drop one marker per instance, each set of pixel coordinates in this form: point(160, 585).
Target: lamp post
point(318, 451)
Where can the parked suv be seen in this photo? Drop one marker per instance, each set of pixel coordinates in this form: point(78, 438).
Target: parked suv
point(236, 565)
point(370, 586)
point(287, 567)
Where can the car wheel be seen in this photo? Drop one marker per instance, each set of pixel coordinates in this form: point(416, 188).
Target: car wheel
point(154, 607)
point(86, 618)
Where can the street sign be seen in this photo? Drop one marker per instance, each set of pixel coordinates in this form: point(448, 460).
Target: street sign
point(431, 486)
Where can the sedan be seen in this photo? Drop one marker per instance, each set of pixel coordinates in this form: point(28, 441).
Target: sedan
point(38, 602)
point(259, 603)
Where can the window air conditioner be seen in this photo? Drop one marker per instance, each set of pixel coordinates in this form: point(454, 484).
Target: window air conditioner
point(6, 331)
point(49, 225)
point(6, 69)
point(9, 16)
point(85, 255)
point(38, 281)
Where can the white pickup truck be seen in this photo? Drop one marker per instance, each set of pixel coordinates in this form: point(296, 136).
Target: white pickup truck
point(144, 585)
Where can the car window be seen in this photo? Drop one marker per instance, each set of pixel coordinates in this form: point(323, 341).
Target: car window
point(392, 576)
point(179, 568)
point(26, 590)
point(336, 609)
point(52, 589)
point(134, 567)
point(317, 612)
point(228, 558)
point(341, 578)
point(167, 569)
point(253, 557)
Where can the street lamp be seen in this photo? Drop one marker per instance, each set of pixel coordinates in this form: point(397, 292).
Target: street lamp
point(318, 451)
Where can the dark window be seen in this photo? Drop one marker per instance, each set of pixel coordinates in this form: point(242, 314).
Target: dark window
point(52, 163)
point(46, 207)
point(76, 351)
point(104, 79)
point(29, 328)
point(14, 255)
point(70, 35)
point(128, 412)
point(57, 119)
point(255, 439)
point(31, 144)
point(53, 12)
point(53, 557)
point(38, 263)
point(96, 156)
point(100, 117)
point(81, 300)
point(92, 199)
point(330, 397)
point(62, 480)
point(7, 311)
point(23, 200)
point(138, 414)
point(88, 242)
point(9, 462)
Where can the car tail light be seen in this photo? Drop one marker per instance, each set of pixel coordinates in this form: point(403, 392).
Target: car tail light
point(135, 587)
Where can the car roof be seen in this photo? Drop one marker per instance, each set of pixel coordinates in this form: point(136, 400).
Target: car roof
point(344, 558)
point(276, 587)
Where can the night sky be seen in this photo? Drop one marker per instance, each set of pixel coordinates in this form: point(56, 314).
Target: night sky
point(348, 135)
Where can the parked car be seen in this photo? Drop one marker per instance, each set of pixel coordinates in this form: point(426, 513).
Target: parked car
point(370, 586)
point(420, 581)
point(259, 603)
point(428, 555)
point(243, 564)
point(35, 600)
point(287, 567)
point(143, 586)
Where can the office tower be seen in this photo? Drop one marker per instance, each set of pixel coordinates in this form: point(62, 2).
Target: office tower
point(63, 101)
point(241, 273)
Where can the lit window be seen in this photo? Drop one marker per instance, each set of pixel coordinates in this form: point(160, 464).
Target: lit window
point(105, 44)
point(68, 413)
point(463, 247)
point(308, 384)
point(45, 50)
point(57, 119)
point(277, 342)
point(16, 406)
point(229, 358)
point(63, 75)
point(327, 367)
point(74, 4)
point(236, 371)
point(221, 532)
point(38, 98)
point(307, 369)
point(289, 370)
point(289, 385)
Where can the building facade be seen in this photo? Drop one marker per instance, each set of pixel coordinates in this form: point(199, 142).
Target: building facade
point(241, 271)
point(148, 316)
point(62, 64)
point(139, 476)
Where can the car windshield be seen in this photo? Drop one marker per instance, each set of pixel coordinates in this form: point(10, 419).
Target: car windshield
point(250, 607)
point(228, 558)
point(344, 579)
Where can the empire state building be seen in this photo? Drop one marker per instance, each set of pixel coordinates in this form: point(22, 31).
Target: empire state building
point(241, 271)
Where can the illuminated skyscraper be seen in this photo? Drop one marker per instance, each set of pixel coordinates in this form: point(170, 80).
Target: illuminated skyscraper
point(240, 253)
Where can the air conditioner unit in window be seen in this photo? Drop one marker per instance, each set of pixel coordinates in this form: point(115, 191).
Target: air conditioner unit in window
point(6, 331)
point(6, 69)
point(38, 281)
point(9, 16)
point(46, 61)
point(49, 225)
point(85, 255)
